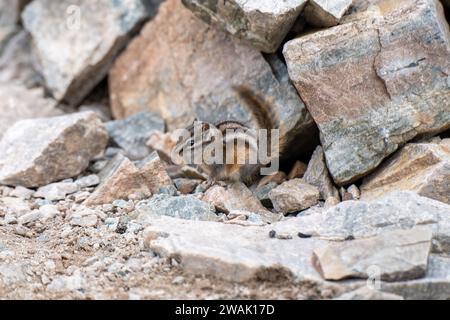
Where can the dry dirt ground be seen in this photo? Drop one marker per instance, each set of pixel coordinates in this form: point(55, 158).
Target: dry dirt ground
point(60, 262)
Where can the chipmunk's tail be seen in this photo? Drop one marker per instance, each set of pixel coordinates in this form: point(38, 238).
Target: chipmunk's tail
point(263, 112)
point(261, 109)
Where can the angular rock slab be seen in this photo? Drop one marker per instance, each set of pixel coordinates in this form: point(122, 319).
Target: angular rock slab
point(76, 41)
point(326, 13)
point(391, 256)
point(317, 174)
point(232, 252)
point(122, 178)
point(363, 219)
point(17, 61)
point(181, 207)
point(293, 196)
point(181, 68)
point(371, 86)
point(262, 24)
point(423, 168)
point(19, 103)
point(119, 179)
point(237, 197)
point(132, 134)
point(434, 286)
point(36, 152)
point(9, 19)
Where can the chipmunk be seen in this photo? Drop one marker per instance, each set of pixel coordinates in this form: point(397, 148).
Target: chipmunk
point(242, 142)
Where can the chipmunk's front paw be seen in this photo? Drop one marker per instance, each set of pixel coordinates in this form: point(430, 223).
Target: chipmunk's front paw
point(221, 183)
point(208, 184)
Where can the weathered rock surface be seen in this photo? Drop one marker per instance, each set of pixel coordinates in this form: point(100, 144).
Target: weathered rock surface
point(242, 254)
point(186, 186)
point(76, 56)
point(154, 173)
point(325, 13)
point(293, 196)
point(434, 286)
point(181, 207)
point(370, 87)
point(317, 174)
point(181, 68)
point(121, 179)
point(423, 168)
point(88, 181)
point(19, 103)
point(237, 197)
point(9, 19)
point(263, 192)
point(17, 62)
point(132, 134)
point(396, 255)
point(21, 192)
point(163, 143)
point(363, 219)
point(260, 23)
point(36, 152)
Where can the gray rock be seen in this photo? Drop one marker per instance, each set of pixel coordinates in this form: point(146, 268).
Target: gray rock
point(76, 281)
point(29, 217)
point(262, 194)
point(434, 286)
point(170, 190)
point(21, 192)
point(191, 84)
point(19, 103)
point(95, 30)
point(182, 207)
point(48, 211)
point(423, 168)
point(154, 173)
point(293, 196)
point(369, 86)
point(9, 19)
point(17, 62)
point(238, 197)
point(325, 13)
point(186, 186)
point(317, 174)
point(262, 24)
point(84, 217)
point(242, 253)
point(363, 219)
point(119, 179)
point(56, 191)
point(15, 206)
point(395, 255)
point(132, 134)
point(88, 181)
point(36, 152)
point(12, 273)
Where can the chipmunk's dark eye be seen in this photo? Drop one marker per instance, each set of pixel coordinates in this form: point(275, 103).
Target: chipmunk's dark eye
point(191, 143)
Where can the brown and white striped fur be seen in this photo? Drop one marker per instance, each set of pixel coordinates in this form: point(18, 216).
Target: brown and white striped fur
point(240, 139)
